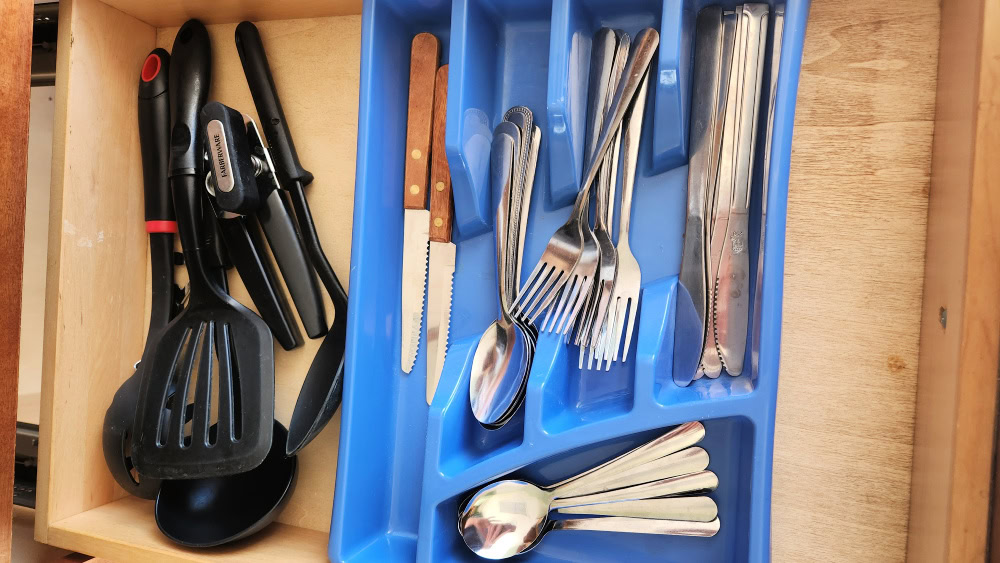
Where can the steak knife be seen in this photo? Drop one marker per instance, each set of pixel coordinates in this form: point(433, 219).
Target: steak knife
point(416, 217)
point(442, 250)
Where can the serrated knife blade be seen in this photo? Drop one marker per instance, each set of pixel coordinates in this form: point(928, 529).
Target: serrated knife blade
point(442, 250)
point(416, 217)
point(415, 240)
point(439, 288)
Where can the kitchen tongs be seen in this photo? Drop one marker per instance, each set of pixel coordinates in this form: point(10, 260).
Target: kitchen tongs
point(322, 389)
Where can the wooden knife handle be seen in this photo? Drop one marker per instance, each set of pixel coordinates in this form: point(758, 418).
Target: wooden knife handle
point(440, 230)
point(420, 110)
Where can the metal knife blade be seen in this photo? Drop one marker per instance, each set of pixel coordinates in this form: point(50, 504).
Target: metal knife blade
point(424, 53)
point(415, 241)
point(442, 260)
point(704, 141)
point(439, 286)
point(733, 290)
point(711, 363)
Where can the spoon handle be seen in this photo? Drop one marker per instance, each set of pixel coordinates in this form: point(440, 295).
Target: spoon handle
point(640, 526)
point(694, 509)
point(677, 439)
point(703, 481)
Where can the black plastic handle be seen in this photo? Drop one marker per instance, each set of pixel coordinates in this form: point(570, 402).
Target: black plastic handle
point(229, 152)
point(247, 251)
point(190, 77)
point(154, 136)
point(297, 271)
point(265, 97)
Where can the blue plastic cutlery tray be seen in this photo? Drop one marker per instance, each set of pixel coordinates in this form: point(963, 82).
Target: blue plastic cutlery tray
point(404, 467)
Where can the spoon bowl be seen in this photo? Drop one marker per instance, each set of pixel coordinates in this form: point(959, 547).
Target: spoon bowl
point(218, 510)
point(493, 530)
point(498, 368)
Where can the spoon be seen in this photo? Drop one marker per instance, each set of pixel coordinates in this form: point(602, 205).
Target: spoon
point(526, 506)
point(496, 550)
point(218, 510)
point(500, 362)
point(520, 509)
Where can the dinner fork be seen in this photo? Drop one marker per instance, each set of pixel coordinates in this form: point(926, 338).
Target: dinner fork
point(625, 298)
point(600, 300)
point(565, 259)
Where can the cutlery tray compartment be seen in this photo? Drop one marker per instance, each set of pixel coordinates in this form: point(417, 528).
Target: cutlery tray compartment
point(404, 466)
point(98, 273)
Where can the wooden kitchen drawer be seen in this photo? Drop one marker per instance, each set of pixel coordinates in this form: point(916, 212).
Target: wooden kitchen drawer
point(870, 390)
point(97, 286)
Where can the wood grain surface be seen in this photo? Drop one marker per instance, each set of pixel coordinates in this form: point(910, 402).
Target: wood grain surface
point(15, 85)
point(957, 379)
point(857, 209)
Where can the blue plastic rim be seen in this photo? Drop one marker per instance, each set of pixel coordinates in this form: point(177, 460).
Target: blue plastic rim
point(403, 467)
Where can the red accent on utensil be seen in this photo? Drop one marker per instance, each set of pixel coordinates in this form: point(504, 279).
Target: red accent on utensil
point(161, 226)
point(150, 69)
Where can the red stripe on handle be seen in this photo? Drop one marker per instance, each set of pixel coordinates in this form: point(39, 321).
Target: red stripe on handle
point(161, 226)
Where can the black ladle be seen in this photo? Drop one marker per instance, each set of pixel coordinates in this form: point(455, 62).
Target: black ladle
point(154, 133)
point(218, 510)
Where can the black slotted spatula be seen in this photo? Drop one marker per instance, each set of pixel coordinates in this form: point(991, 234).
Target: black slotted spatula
point(216, 354)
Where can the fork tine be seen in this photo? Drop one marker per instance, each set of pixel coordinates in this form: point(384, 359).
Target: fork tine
point(590, 315)
point(530, 285)
point(632, 306)
point(545, 286)
point(546, 321)
point(611, 347)
point(564, 324)
point(616, 338)
point(557, 310)
point(552, 286)
point(586, 290)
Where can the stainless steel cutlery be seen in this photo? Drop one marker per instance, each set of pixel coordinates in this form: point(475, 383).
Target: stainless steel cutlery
point(502, 360)
point(730, 49)
point(659, 488)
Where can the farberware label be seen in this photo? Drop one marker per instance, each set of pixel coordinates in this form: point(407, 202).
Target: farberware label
point(220, 155)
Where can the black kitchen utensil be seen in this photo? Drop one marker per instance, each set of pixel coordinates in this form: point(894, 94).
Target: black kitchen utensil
point(241, 164)
point(230, 386)
point(323, 387)
point(233, 175)
point(154, 134)
point(218, 510)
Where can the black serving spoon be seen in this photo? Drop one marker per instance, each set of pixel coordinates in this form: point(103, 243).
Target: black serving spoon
point(322, 389)
point(217, 510)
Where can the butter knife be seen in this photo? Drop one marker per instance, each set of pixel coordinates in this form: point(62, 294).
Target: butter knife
point(442, 250)
point(733, 288)
point(416, 217)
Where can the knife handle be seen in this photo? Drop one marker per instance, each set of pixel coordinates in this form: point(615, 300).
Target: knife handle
point(420, 111)
point(441, 214)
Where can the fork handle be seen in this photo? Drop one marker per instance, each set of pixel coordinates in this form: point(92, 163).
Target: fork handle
point(633, 134)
